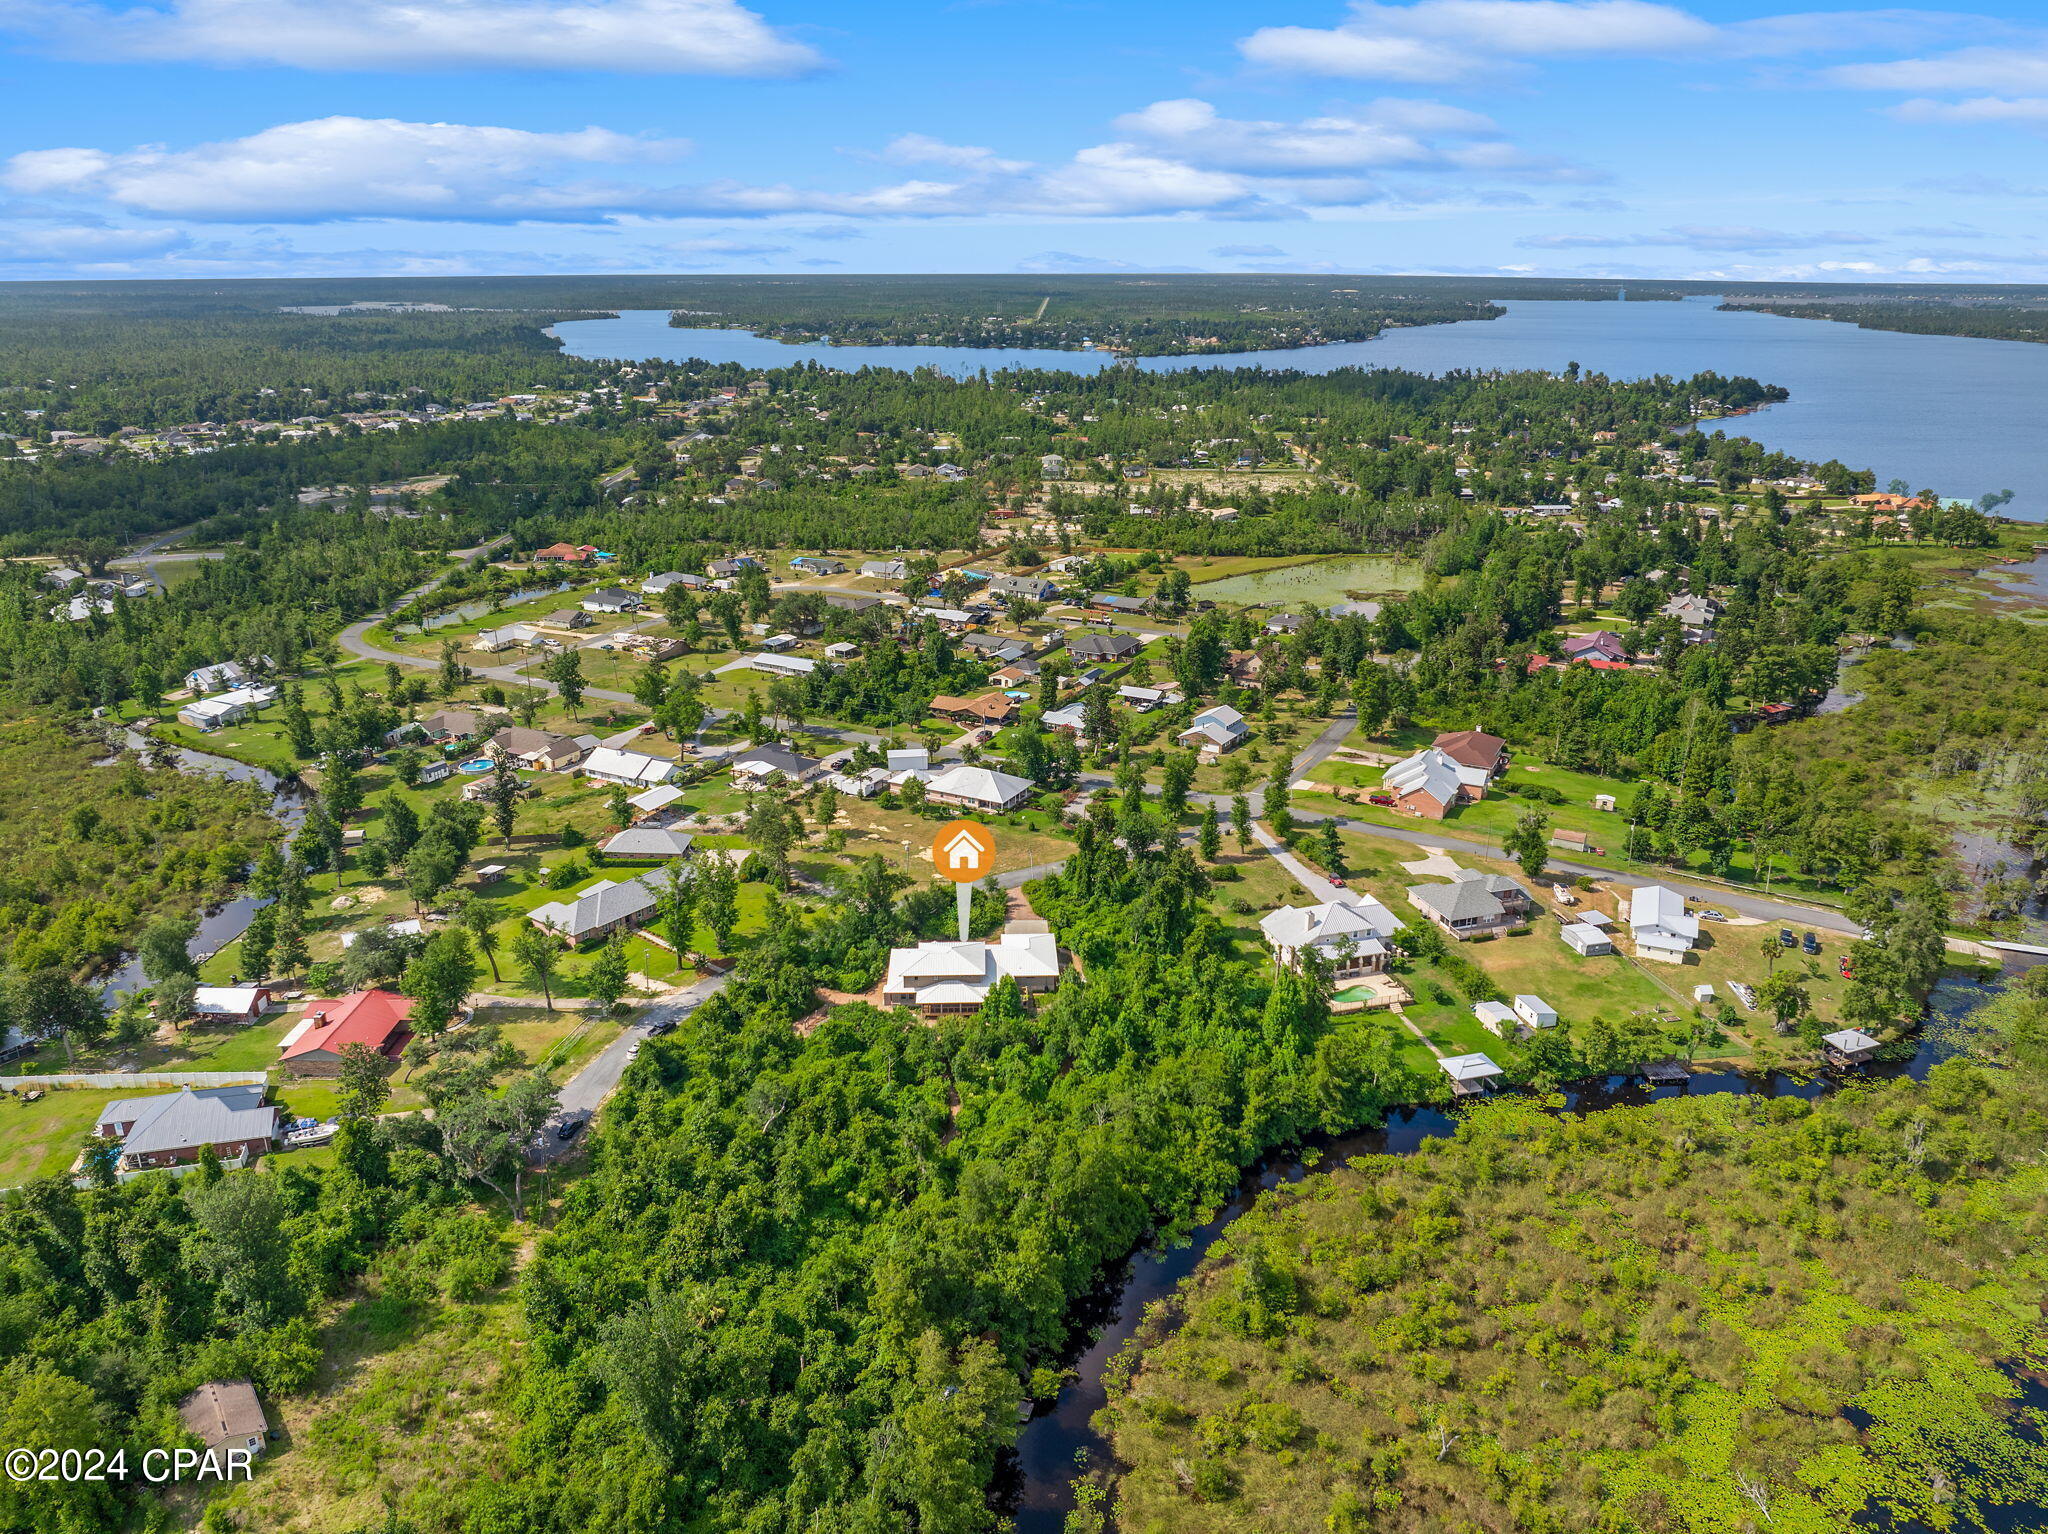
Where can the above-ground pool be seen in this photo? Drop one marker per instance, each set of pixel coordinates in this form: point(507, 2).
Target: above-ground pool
point(481, 764)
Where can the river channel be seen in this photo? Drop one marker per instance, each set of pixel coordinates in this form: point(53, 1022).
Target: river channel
point(1961, 416)
point(1060, 1442)
point(225, 922)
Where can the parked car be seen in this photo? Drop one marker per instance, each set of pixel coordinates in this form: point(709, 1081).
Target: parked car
point(665, 1025)
point(1786, 938)
point(569, 1129)
point(1811, 944)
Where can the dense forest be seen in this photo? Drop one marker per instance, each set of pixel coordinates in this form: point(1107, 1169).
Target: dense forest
point(2021, 318)
point(1708, 1314)
point(89, 853)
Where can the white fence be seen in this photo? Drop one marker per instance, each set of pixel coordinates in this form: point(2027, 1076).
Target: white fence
point(118, 1079)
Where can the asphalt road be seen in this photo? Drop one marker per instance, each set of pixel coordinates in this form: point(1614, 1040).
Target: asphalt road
point(584, 1093)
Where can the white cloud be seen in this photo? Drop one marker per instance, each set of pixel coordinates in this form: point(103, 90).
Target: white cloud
point(1457, 40)
point(1247, 250)
point(1977, 109)
point(920, 149)
point(1966, 69)
point(85, 245)
point(1701, 237)
point(1067, 261)
point(1454, 39)
point(344, 167)
point(712, 37)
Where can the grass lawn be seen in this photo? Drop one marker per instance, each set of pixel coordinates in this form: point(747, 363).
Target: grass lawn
point(41, 1139)
point(409, 1399)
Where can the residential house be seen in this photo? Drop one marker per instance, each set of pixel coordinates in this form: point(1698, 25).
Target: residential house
point(379, 1021)
point(1480, 757)
point(230, 1003)
point(953, 620)
point(1070, 720)
point(1103, 647)
point(569, 618)
point(539, 749)
point(991, 709)
point(818, 564)
point(761, 765)
point(1426, 784)
point(1470, 1074)
point(1601, 644)
point(886, 569)
point(1024, 588)
point(171, 1129)
point(841, 649)
point(1286, 623)
point(779, 665)
point(949, 977)
point(850, 601)
point(729, 569)
point(1658, 925)
point(1473, 904)
point(978, 788)
point(226, 1416)
point(606, 907)
point(612, 599)
point(228, 708)
point(1111, 602)
point(633, 768)
point(1216, 730)
point(647, 844)
point(217, 678)
point(1851, 1046)
point(563, 554)
point(1347, 934)
point(1695, 614)
point(655, 585)
point(451, 724)
point(995, 648)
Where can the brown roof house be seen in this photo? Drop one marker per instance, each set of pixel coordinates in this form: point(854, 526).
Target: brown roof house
point(537, 748)
point(1482, 757)
point(225, 1415)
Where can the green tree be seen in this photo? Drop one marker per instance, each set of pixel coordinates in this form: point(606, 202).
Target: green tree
point(718, 902)
point(480, 919)
point(678, 896)
point(538, 955)
point(165, 948)
point(439, 981)
point(566, 672)
point(1528, 843)
point(607, 980)
point(364, 1084)
point(1211, 836)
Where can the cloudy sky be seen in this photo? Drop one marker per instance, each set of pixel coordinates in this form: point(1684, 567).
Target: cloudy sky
point(1549, 137)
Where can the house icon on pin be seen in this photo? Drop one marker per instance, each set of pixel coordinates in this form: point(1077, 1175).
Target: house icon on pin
point(964, 850)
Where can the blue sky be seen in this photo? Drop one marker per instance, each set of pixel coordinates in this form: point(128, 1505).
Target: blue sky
point(1548, 137)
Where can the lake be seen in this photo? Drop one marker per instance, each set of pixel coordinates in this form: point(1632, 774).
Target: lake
point(1960, 416)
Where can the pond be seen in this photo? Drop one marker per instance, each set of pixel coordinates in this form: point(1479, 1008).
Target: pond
point(1319, 583)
